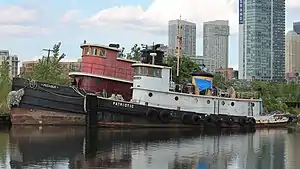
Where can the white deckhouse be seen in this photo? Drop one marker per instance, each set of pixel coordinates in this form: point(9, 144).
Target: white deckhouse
point(151, 86)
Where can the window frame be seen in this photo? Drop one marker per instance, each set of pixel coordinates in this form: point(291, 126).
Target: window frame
point(148, 71)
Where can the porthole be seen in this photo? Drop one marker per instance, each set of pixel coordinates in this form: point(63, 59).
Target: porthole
point(232, 103)
point(223, 103)
point(176, 98)
point(150, 94)
point(252, 104)
point(208, 101)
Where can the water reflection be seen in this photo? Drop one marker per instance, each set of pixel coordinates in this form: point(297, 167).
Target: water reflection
point(65, 148)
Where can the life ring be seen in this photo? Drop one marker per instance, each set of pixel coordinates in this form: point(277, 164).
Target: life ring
point(196, 119)
point(186, 118)
point(151, 113)
point(165, 116)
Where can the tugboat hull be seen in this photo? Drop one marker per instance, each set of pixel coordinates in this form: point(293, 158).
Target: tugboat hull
point(36, 103)
point(25, 116)
point(115, 113)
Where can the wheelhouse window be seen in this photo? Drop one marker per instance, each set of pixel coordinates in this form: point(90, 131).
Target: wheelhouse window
point(102, 52)
point(147, 71)
point(87, 50)
point(95, 51)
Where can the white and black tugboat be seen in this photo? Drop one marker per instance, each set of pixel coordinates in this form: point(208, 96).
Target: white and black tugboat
point(154, 104)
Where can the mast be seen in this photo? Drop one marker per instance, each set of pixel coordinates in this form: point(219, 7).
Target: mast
point(179, 45)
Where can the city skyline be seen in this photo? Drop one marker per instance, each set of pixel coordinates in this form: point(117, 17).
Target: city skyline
point(37, 26)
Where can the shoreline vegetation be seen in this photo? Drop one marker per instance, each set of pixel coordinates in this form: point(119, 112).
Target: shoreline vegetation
point(275, 96)
point(5, 85)
point(47, 70)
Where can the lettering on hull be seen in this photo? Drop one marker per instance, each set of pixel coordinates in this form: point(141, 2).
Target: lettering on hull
point(121, 104)
point(49, 86)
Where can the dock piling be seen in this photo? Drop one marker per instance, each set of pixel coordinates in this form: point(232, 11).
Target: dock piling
point(91, 108)
point(91, 135)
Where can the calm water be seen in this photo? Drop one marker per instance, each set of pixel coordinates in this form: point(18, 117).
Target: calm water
point(67, 148)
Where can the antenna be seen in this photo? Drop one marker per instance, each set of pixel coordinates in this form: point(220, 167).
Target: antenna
point(179, 45)
point(48, 55)
point(153, 54)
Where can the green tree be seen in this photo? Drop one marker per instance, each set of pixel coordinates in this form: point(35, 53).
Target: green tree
point(5, 84)
point(220, 81)
point(275, 95)
point(135, 53)
point(49, 70)
point(187, 66)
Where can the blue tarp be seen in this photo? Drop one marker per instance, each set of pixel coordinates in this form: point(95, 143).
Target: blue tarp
point(203, 84)
point(202, 165)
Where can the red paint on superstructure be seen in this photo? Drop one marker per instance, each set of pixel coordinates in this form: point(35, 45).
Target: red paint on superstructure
point(105, 71)
point(100, 60)
point(97, 85)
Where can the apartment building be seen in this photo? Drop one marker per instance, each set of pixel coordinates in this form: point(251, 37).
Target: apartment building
point(12, 60)
point(215, 44)
point(188, 37)
point(262, 40)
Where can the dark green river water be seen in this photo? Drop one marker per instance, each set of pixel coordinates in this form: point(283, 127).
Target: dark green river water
point(69, 148)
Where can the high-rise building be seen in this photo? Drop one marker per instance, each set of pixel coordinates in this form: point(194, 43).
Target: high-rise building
point(296, 27)
point(188, 37)
point(262, 39)
point(12, 60)
point(215, 44)
point(292, 52)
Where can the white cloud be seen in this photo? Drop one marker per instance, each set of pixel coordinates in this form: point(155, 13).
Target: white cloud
point(16, 14)
point(16, 20)
point(69, 15)
point(155, 17)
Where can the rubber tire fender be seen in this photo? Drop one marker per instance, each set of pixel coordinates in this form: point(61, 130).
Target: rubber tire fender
point(165, 116)
point(151, 113)
point(210, 119)
point(186, 118)
point(196, 119)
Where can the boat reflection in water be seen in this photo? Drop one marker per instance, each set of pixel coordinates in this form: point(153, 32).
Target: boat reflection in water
point(67, 148)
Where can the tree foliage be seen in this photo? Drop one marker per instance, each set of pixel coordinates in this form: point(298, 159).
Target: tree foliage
point(187, 66)
point(135, 53)
point(220, 81)
point(49, 70)
point(276, 95)
point(5, 84)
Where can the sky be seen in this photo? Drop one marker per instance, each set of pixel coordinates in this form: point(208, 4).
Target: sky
point(28, 26)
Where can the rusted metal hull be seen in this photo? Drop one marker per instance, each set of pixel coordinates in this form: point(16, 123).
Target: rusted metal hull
point(25, 116)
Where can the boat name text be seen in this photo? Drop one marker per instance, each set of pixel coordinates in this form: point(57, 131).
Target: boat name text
point(49, 86)
point(126, 105)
